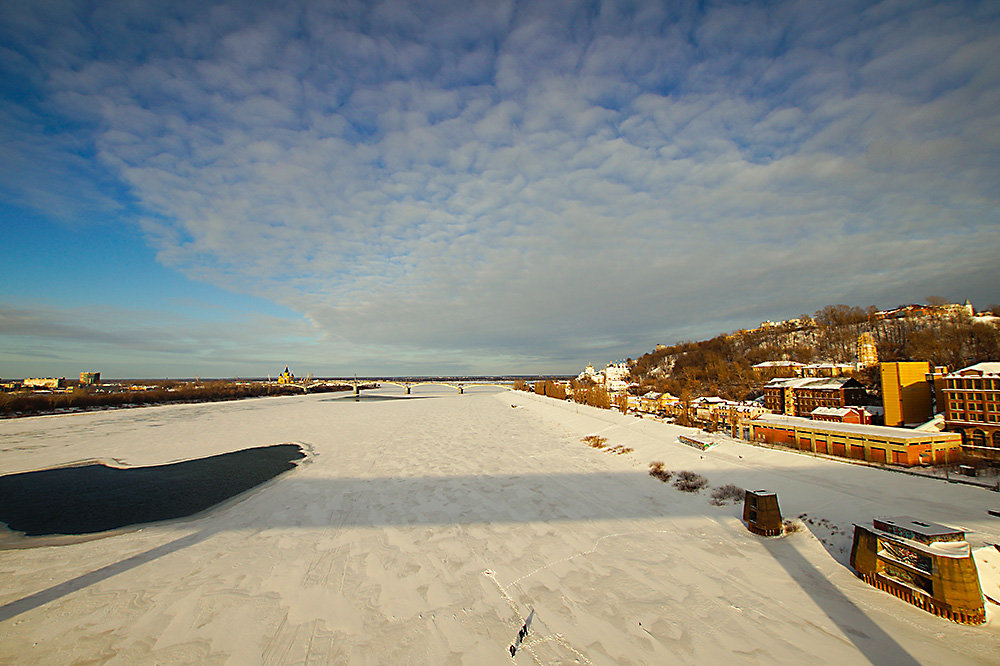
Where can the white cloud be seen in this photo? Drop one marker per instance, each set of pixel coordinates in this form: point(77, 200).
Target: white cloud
point(545, 182)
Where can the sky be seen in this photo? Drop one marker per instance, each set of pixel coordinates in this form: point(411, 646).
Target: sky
point(221, 189)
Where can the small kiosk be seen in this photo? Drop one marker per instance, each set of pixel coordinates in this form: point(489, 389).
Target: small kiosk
point(923, 563)
point(761, 512)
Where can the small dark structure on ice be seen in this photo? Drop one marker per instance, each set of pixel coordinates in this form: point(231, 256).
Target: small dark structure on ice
point(761, 512)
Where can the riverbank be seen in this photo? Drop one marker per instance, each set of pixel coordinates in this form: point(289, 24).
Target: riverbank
point(427, 530)
point(16, 405)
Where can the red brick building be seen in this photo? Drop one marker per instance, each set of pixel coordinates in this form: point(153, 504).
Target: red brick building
point(972, 407)
point(799, 397)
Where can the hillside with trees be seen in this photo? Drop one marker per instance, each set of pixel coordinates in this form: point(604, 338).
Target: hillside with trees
point(723, 365)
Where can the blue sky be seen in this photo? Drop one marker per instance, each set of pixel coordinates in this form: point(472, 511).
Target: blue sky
point(420, 187)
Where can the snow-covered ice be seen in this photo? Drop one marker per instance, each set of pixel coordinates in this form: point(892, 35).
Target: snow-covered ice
point(426, 529)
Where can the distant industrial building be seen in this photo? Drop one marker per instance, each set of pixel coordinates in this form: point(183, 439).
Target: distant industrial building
point(45, 382)
point(87, 378)
point(870, 443)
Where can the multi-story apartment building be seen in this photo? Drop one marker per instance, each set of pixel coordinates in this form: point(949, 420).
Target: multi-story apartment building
point(799, 397)
point(972, 407)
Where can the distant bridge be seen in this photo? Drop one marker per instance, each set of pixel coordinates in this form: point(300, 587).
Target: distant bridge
point(358, 385)
point(458, 386)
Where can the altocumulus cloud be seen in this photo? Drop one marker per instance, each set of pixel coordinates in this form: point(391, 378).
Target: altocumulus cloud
point(505, 183)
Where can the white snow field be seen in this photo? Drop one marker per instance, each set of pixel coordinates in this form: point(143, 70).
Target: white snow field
point(424, 530)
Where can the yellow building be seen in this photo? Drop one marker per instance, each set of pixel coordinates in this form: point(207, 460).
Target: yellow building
point(286, 377)
point(906, 392)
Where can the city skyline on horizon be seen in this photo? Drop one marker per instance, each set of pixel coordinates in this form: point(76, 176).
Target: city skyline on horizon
point(479, 188)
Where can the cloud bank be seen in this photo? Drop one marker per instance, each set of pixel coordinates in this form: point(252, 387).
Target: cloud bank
point(519, 184)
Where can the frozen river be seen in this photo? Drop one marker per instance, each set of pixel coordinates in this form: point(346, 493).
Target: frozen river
point(425, 529)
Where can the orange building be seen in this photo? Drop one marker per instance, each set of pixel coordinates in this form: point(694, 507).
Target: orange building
point(878, 444)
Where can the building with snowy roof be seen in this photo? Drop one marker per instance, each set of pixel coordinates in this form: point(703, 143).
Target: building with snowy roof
point(800, 396)
point(860, 414)
point(771, 369)
point(871, 443)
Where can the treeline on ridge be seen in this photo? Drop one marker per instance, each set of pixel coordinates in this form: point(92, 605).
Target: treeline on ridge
point(722, 365)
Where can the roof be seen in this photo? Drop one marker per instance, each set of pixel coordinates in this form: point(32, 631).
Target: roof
point(850, 428)
point(988, 368)
point(936, 424)
point(832, 411)
point(778, 364)
point(923, 527)
point(844, 411)
point(813, 382)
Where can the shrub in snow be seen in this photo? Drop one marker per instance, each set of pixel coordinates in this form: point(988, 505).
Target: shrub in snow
point(689, 482)
point(656, 471)
point(789, 526)
point(722, 495)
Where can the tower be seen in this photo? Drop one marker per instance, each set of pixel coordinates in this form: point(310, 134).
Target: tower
point(867, 351)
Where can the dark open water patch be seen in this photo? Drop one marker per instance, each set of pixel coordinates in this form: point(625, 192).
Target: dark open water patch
point(95, 498)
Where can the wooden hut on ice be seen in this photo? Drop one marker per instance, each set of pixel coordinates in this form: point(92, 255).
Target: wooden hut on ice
point(761, 512)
